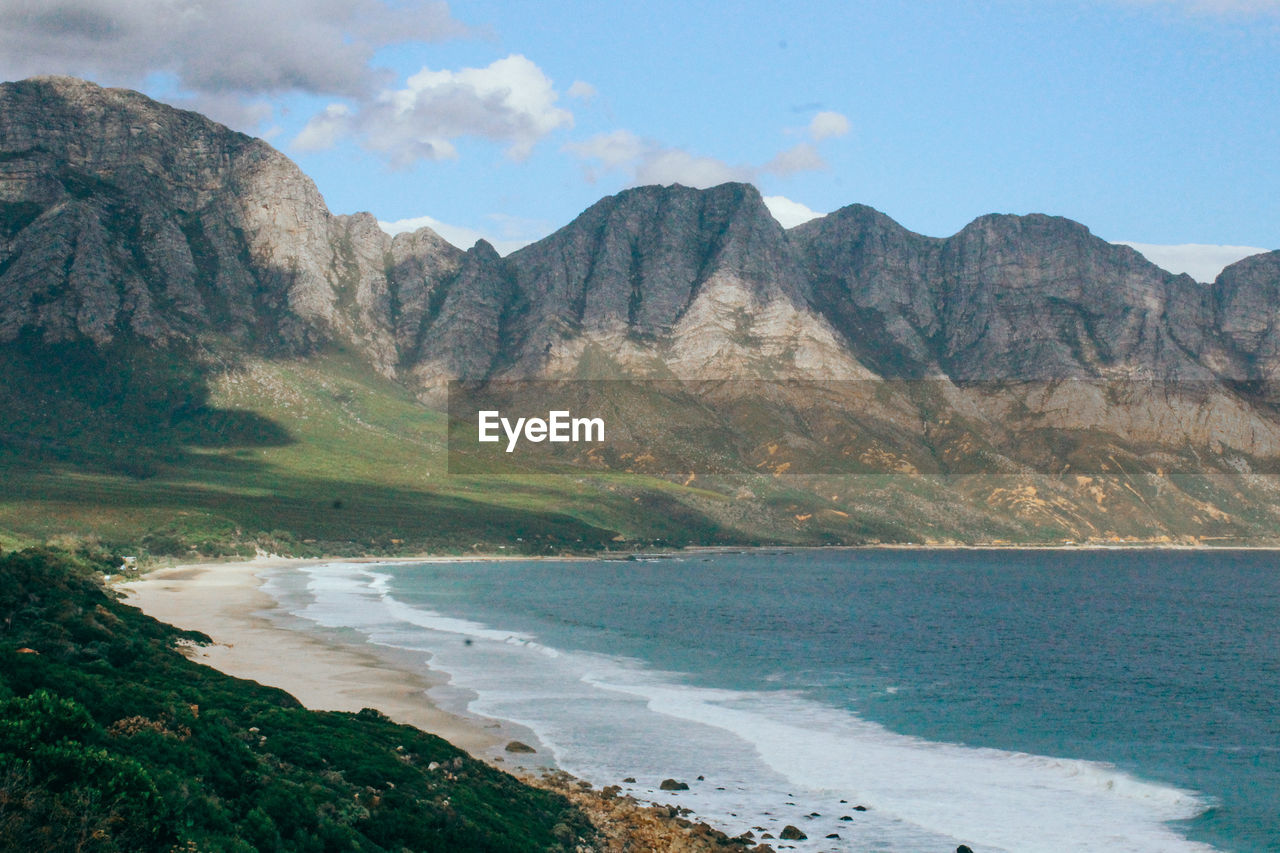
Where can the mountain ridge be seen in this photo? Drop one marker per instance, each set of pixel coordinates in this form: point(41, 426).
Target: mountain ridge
point(248, 237)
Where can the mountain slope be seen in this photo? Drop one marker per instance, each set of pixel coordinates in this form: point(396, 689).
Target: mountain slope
point(846, 380)
point(123, 216)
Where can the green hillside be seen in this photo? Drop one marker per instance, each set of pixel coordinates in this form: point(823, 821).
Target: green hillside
point(170, 454)
point(111, 740)
point(137, 449)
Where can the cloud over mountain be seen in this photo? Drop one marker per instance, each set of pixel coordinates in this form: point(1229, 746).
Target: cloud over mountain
point(789, 213)
point(216, 48)
point(1201, 261)
point(510, 101)
point(828, 124)
point(651, 162)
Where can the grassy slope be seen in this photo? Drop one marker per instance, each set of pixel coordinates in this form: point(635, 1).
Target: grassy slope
point(361, 468)
point(322, 456)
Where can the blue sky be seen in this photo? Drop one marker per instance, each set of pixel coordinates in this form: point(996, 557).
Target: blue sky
point(1155, 121)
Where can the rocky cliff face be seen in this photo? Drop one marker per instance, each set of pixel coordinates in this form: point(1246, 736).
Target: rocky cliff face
point(122, 216)
point(878, 282)
point(669, 279)
point(1244, 303)
point(1009, 298)
point(119, 215)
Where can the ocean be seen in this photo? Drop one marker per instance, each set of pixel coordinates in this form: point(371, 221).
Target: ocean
point(898, 700)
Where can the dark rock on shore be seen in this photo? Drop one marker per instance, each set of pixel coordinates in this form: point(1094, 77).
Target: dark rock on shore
point(517, 746)
point(792, 833)
point(673, 785)
point(625, 826)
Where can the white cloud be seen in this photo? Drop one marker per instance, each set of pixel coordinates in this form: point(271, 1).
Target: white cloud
point(1201, 261)
point(827, 125)
point(458, 235)
point(789, 213)
point(677, 166)
point(611, 150)
point(229, 109)
point(650, 162)
point(510, 100)
point(799, 158)
point(583, 91)
point(325, 128)
point(237, 49)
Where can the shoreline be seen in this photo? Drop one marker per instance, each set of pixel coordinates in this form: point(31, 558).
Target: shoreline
point(327, 669)
point(225, 601)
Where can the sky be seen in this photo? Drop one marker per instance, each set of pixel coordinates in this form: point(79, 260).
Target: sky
point(1153, 122)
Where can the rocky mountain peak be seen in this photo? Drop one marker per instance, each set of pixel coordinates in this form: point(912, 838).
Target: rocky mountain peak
point(1245, 299)
point(637, 273)
point(1040, 297)
point(484, 249)
point(878, 284)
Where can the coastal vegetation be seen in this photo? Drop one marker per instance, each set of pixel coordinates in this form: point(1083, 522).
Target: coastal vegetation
point(111, 740)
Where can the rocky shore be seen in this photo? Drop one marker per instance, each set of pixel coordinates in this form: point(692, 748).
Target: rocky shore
point(628, 826)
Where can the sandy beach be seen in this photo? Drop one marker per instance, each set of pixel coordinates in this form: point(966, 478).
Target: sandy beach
point(252, 640)
point(224, 601)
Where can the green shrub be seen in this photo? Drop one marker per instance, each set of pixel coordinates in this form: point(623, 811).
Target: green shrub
point(110, 740)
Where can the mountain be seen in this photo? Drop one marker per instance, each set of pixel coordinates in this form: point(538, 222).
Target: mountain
point(176, 296)
point(122, 216)
point(1008, 298)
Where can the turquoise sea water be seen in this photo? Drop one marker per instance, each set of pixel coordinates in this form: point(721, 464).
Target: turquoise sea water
point(1009, 700)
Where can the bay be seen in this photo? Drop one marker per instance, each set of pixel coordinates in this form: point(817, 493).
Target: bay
point(1009, 700)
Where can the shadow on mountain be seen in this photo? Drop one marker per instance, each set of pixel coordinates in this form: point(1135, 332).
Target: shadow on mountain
point(317, 516)
point(121, 408)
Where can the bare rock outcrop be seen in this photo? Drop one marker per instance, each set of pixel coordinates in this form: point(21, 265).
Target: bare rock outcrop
point(122, 216)
point(1245, 300)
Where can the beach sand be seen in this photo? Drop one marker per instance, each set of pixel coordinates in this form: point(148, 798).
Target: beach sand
point(252, 639)
point(224, 601)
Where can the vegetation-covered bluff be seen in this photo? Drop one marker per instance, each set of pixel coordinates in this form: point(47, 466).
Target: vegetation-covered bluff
point(111, 740)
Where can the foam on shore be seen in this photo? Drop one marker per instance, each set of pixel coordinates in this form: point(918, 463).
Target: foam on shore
point(768, 758)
